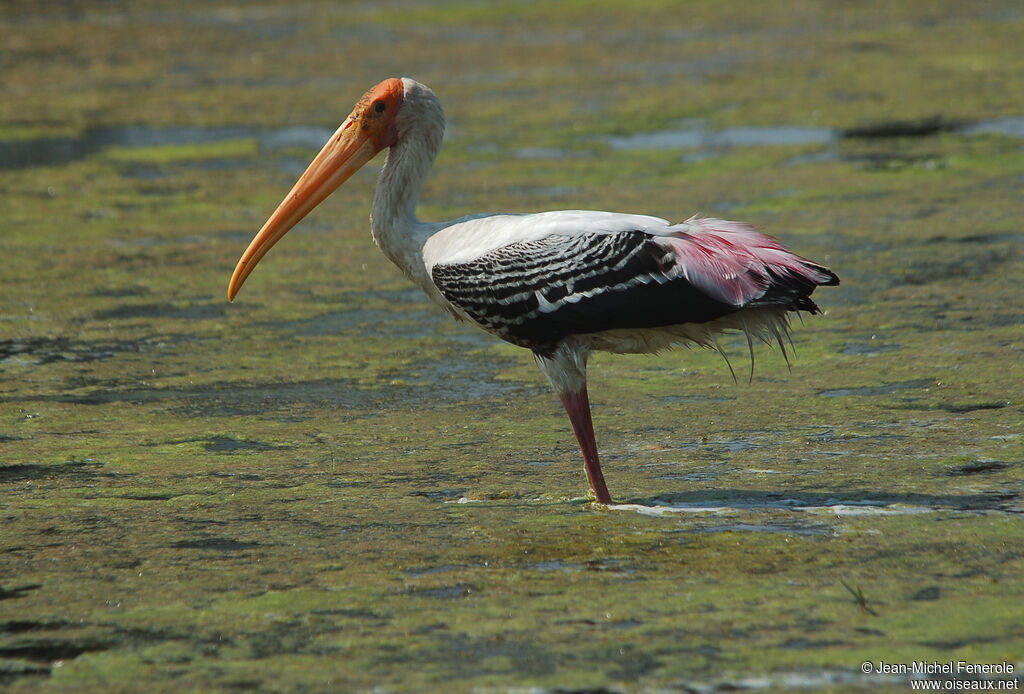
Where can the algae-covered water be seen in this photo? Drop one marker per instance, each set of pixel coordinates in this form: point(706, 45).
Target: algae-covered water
point(330, 486)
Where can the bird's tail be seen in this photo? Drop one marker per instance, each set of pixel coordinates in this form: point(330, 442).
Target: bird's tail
point(734, 263)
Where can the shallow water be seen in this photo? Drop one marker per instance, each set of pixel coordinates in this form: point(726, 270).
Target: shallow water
point(701, 138)
point(59, 151)
point(330, 484)
point(18, 154)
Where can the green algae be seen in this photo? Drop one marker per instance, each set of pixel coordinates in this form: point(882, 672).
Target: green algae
point(166, 154)
point(329, 485)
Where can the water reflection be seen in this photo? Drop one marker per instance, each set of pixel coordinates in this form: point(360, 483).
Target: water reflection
point(57, 151)
point(700, 138)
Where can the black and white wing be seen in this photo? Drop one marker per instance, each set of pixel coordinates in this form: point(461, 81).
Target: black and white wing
point(541, 287)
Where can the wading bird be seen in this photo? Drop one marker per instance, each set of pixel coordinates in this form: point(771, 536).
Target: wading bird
point(561, 284)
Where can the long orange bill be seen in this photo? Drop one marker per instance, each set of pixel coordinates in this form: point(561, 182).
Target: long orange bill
point(347, 150)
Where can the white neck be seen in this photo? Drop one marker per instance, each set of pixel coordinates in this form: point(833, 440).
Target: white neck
point(393, 222)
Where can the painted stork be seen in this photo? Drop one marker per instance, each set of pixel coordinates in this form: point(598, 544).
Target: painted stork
point(561, 284)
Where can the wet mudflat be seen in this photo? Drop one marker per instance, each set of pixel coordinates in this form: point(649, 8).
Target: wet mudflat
point(329, 485)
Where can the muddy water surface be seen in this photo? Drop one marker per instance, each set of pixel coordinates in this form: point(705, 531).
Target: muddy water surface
point(328, 485)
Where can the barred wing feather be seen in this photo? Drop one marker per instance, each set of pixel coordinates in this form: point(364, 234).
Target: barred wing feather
point(535, 292)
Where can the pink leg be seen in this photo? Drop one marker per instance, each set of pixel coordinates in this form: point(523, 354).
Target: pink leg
point(577, 405)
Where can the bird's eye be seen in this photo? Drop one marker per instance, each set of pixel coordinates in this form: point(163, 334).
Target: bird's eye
point(380, 107)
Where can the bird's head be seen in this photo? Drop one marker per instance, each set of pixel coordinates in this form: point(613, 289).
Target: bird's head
point(373, 125)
